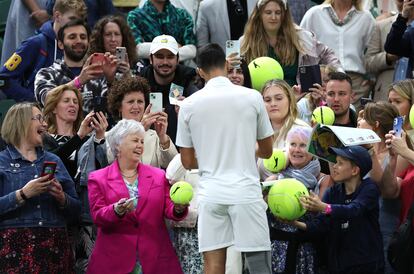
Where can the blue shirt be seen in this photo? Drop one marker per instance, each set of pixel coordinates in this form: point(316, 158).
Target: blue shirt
point(39, 211)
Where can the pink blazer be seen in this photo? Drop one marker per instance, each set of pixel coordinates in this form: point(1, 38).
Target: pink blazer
point(143, 229)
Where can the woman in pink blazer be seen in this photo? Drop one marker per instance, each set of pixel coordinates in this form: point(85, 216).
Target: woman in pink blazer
point(128, 203)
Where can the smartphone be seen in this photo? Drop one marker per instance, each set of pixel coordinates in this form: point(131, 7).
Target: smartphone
point(365, 101)
point(120, 53)
point(309, 75)
point(232, 46)
point(49, 168)
point(98, 58)
point(155, 99)
point(129, 200)
point(99, 104)
point(398, 125)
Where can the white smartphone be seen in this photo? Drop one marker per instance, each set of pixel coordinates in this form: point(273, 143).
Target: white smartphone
point(120, 53)
point(155, 99)
point(131, 199)
point(232, 46)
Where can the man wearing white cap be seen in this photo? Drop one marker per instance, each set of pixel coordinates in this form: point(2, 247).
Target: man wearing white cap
point(156, 17)
point(166, 75)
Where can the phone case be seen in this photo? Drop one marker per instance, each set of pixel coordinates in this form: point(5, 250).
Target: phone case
point(308, 76)
point(397, 127)
point(98, 58)
point(232, 46)
point(120, 53)
point(49, 168)
point(155, 99)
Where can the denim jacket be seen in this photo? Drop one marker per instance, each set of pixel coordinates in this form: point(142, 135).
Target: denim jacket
point(42, 210)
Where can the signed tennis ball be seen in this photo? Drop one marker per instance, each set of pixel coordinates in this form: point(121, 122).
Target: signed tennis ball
point(181, 193)
point(323, 115)
point(263, 69)
point(412, 116)
point(283, 199)
point(276, 162)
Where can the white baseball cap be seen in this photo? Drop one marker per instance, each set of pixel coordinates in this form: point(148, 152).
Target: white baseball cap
point(164, 42)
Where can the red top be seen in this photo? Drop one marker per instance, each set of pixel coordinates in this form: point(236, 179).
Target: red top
point(406, 191)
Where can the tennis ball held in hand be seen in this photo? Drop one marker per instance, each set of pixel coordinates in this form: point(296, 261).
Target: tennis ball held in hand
point(181, 193)
point(276, 162)
point(283, 199)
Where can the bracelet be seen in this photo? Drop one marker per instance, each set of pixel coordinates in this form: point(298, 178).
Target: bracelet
point(77, 83)
point(328, 209)
point(24, 197)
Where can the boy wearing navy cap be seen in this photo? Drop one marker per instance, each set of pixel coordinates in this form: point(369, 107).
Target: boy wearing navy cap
point(349, 215)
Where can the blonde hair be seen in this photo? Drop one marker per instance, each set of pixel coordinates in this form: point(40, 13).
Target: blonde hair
point(292, 111)
point(16, 123)
point(255, 43)
point(52, 99)
point(404, 88)
point(356, 3)
point(77, 6)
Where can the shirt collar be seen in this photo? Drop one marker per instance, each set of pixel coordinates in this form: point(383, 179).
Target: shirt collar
point(15, 154)
point(150, 9)
point(219, 80)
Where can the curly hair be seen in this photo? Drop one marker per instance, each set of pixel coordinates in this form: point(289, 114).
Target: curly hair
point(97, 44)
point(53, 99)
point(254, 43)
point(122, 87)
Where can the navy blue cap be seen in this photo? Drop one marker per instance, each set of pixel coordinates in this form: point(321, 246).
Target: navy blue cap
point(357, 154)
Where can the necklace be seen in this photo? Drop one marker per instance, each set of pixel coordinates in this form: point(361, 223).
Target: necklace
point(128, 177)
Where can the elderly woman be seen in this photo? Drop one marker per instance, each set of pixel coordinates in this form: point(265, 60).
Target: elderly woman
point(270, 31)
point(33, 208)
point(284, 236)
point(128, 202)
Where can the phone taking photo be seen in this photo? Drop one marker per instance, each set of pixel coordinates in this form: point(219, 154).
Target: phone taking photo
point(98, 58)
point(120, 53)
point(309, 75)
point(233, 46)
point(49, 168)
point(398, 125)
point(155, 99)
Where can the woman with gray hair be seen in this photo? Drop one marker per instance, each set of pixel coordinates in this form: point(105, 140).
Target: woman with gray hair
point(128, 203)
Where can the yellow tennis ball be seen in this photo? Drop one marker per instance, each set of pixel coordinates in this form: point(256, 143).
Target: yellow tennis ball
point(181, 193)
point(276, 162)
point(263, 69)
point(283, 199)
point(323, 115)
point(411, 116)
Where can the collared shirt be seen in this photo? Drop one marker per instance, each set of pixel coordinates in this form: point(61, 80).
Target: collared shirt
point(348, 39)
point(39, 211)
point(146, 23)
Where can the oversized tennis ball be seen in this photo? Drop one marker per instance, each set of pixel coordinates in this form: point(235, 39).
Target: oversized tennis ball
point(283, 199)
point(323, 115)
point(181, 193)
point(276, 162)
point(411, 116)
point(263, 69)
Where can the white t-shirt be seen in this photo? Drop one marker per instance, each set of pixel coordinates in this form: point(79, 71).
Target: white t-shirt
point(222, 122)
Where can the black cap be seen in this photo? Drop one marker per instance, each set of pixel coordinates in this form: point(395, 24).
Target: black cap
point(357, 154)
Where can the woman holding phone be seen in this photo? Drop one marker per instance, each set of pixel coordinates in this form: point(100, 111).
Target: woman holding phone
point(112, 34)
point(129, 201)
point(270, 31)
point(34, 209)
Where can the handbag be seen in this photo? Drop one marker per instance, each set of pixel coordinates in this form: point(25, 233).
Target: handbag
point(400, 252)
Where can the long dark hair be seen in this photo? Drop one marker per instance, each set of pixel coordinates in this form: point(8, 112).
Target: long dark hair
point(128, 41)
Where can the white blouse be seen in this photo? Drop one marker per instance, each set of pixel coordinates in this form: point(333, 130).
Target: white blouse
point(348, 41)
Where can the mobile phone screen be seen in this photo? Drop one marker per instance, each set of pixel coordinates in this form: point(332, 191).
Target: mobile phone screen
point(49, 168)
point(397, 127)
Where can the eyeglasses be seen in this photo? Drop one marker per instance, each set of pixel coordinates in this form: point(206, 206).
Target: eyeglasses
point(39, 117)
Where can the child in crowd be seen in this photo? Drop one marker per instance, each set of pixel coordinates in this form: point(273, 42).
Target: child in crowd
point(348, 215)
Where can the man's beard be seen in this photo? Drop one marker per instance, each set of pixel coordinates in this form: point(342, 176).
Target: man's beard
point(73, 55)
point(157, 70)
